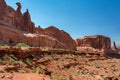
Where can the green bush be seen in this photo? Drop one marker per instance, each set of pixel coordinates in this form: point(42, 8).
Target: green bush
point(70, 77)
point(56, 79)
point(12, 58)
point(21, 71)
point(2, 71)
point(38, 70)
point(2, 44)
point(59, 79)
point(22, 45)
point(1, 62)
point(28, 61)
point(7, 57)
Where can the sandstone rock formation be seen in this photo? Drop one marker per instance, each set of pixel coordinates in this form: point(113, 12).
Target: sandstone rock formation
point(114, 45)
point(2, 7)
point(60, 35)
point(19, 28)
point(29, 26)
point(28, 38)
point(14, 18)
point(97, 42)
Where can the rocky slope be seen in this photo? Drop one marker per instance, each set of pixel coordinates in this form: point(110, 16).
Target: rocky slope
point(56, 65)
point(50, 58)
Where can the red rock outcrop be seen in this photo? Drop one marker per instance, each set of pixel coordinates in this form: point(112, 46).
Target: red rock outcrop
point(114, 45)
point(14, 18)
point(2, 7)
point(6, 14)
point(19, 28)
point(60, 35)
point(28, 38)
point(28, 25)
point(97, 42)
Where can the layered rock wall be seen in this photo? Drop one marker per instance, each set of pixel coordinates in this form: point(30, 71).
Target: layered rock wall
point(60, 35)
point(97, 42)
point(19, 28)
point(14, 18)
point(32, 39)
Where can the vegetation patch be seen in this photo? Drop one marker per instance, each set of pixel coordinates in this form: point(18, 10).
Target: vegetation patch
point(2, 44)
point(22, 45)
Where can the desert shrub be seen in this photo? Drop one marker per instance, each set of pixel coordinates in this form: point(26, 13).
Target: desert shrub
point(63, 79)
point(1, 62)
point(22, 45)
point(70, 77)
point(28, 61)
point(59, 79)
point(38, 70)
point(2, 44)
point(21, 71)
point(6, 57)
point(2, 71)
point(105, 78)
point(56, 79)
point(12, 58)
point(12, 71)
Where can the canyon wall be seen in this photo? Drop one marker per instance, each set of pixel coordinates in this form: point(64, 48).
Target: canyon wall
point(18, 28)
point(7, 35)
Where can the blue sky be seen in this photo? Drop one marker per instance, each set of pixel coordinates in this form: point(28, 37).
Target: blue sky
point(77, 17)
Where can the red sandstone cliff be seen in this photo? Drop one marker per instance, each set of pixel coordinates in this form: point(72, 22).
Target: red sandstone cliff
point(18, 27)
point(16, 36)
point(97, 42)
point(14, 18)
point(60, 35)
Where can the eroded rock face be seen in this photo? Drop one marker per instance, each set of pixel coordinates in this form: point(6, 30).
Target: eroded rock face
point(14, 18)
point(114, 45)
point(97, 42)
point(28, 24)
point(19, 28)
point(2, 3)
point(28, 38)
point(60, 35)
point(2, 7)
